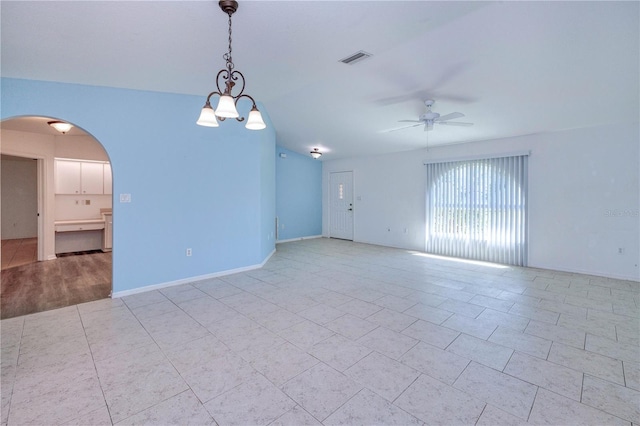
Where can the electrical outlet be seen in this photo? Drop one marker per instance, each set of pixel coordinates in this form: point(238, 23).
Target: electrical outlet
point(189, 252)
point(621, 250)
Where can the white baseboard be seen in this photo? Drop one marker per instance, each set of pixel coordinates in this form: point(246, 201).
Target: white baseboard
point(586, 272)
point(144, 289)
point(298, 239)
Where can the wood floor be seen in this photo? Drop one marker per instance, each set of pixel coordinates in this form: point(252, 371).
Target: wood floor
point(52, 284)
point(18, 252)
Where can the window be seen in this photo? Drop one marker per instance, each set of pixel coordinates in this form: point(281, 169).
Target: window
point(477, 209)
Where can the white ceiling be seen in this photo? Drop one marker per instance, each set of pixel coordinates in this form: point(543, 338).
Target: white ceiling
point(512, 68)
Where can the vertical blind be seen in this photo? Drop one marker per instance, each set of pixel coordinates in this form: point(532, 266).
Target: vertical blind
point(477, 209)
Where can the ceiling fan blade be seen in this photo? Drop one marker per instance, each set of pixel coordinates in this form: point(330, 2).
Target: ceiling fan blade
point(409, 121)
point(455, 123)
point(401, 128)
point(450, 116)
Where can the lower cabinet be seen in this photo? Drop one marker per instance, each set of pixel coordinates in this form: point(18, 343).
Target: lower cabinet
point(107, 239)
point(79, 235)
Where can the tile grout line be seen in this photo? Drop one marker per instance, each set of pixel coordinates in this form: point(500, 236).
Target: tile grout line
point(95, 368)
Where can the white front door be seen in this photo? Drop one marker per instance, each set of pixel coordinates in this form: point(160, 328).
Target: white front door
point(341, 205)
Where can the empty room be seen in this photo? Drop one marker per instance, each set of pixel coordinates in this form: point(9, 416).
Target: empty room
point(320, 213)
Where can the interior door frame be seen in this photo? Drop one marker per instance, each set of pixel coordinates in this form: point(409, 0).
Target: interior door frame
point(352, 200)
point(41, 215)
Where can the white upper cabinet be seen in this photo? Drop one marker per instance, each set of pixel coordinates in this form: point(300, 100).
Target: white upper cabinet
point(67, 175)
point(81, 177)
point(91, 178)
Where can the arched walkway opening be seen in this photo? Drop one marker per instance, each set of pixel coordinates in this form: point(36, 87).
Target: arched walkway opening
point(56, 223)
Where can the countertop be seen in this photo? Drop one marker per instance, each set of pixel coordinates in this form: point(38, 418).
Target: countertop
point(79, 225)
point(78, 221)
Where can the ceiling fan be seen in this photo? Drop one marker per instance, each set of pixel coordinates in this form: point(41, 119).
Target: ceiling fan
point(429, 118)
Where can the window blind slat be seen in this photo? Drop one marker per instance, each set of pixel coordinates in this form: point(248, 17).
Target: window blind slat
point(477, 209)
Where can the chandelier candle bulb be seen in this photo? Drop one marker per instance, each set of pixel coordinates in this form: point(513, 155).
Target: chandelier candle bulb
point(255, 121)
point(207, 117)
point(227, 107)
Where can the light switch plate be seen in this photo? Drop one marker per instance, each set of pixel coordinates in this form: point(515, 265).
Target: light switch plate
point(125, 198)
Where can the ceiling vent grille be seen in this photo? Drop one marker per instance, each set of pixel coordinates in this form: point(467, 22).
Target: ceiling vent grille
point(356, 57)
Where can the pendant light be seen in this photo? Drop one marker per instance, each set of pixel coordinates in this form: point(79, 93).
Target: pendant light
point(228, 77)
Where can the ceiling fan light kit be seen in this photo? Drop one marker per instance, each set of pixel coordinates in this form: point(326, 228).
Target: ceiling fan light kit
point(228, 101)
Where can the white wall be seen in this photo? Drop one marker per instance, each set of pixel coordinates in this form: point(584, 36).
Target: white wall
point(584, 197)
point(74, 207)
point(19, 198)
point(80, 147)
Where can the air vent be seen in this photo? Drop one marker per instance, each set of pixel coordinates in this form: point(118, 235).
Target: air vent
point(356, 57)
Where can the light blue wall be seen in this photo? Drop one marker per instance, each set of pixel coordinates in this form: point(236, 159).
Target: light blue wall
point(298, 195)
point(212, 190)
point(268, 200)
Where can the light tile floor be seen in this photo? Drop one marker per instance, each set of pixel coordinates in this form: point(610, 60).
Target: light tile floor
point(333, 332)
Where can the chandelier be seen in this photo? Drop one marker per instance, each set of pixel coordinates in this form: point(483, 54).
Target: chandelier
point(228, 76)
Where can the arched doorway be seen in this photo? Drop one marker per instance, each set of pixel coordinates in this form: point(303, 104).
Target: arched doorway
point(73, 262)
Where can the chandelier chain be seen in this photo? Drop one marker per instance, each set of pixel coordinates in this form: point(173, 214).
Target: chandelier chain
point(227, 56)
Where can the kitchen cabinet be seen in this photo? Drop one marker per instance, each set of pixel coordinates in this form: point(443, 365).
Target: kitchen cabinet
point(92, 178)
point(79, 235)
point(81, 177)
point(107, 240)
point(67, 175)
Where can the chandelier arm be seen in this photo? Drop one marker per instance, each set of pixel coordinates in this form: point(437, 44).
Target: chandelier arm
point(247, 96)
point(211, 94)
point(241, 95)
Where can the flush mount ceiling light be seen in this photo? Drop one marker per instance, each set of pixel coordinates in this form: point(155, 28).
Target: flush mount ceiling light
point(228, 76)
point(60, 126)
point(316, 153)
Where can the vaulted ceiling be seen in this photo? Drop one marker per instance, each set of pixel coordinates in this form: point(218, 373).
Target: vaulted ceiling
point(512, 68)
